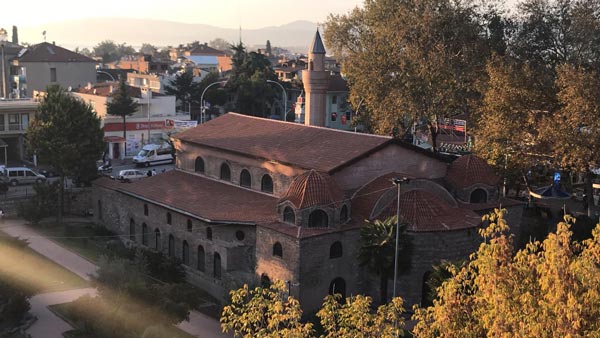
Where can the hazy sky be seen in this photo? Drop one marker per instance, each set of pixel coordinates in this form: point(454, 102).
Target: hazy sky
point(221, 13)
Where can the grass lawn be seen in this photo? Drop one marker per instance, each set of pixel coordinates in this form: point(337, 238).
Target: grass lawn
point(86, 239)
point(64, 311)
point(92, 242)
point(34, 272)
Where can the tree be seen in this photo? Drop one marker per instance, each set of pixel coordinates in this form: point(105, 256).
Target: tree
point(121, 104)
point(378, 243)
point(220, 44)
point(66, 134)
point(110, 51)
point(268, 48)
point(269, 312)
point(252, 94)
point(411, 61)
point(183, 87)
point(15, 35)
point(547, 289)
point(575, 128)
point(148, 49)
point(507, 132)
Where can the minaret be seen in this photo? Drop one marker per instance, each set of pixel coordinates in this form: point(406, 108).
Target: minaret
point(315, 80)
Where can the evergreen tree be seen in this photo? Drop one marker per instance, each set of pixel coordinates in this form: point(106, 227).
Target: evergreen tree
point(66, 134)
point(268, 49)
point(183, 88)
point(15, 36)
point(121, 104)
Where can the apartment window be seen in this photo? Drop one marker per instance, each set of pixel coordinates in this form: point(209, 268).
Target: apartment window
point(14, 122)
point(52, 74)
point(334, 99)
point(2, 128)
point(24, 121)
point(333, 117)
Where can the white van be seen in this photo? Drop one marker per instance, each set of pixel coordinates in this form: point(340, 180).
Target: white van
point(153, 154)
point(22, 175)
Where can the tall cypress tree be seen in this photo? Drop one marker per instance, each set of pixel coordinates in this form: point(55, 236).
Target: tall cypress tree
point(15, 36)
point(122, 105)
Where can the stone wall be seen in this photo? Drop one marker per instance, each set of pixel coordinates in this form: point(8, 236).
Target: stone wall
point(393, 158)
point(233, 243)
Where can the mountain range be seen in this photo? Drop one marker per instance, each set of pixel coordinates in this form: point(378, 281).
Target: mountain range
point(81, 33)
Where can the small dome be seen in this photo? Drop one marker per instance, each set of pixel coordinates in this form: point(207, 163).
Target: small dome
point(470, 169)
point(314, 188)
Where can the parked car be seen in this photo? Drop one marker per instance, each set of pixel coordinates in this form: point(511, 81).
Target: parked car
point(153, 154)
point(130, 175)
point(23, 175)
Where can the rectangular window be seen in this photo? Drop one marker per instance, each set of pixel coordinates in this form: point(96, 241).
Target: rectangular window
point(52, 74)
point(333, 117)
point(24, 121)
point(334, 99)
point(13, 122)
point(2, 128)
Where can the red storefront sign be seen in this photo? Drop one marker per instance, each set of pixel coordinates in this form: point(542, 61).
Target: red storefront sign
point(132, 126)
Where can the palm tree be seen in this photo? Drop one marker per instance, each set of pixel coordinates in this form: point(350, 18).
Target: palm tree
point(378, 242)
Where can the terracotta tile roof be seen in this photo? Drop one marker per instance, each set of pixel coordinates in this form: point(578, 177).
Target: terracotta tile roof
point(425, 212)
point(470, 169)
point(307, 147)
point(47, 52)
point(202, 197)
point(205, 50)
point(365, 199)
point(104, 89)
point(502, 202)
point(313, 188)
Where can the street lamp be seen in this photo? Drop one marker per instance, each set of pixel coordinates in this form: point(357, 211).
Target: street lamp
point(397, 181)
point(202, 99)
point(284, 98)
point(3, 39)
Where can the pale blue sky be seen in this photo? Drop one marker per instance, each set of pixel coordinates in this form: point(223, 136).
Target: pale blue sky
point(221, 13)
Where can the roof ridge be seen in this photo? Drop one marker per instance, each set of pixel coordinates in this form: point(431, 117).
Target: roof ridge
point(309, 126)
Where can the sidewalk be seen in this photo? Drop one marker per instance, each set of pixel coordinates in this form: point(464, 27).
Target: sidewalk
point(48, 325)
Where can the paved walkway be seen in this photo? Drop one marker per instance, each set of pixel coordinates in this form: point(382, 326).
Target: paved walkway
point(49, 325)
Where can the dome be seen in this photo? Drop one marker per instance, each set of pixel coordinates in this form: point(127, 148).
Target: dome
point(424, 211)
point(470, 169)
point(314, 188)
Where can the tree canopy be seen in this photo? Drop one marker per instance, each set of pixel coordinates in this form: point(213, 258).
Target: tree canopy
point(410, 61)
point(122, 105)
point(66, 134)
point(549, 288)
point(109, 51)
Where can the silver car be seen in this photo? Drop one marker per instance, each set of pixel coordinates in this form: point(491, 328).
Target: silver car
point(22, 175)
point(130, 175)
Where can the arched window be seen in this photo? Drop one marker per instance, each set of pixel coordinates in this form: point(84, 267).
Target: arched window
point(185, 253)
point(289, 216)
point(209, 233)
point(344, 214)
point(144, 234)
point(157, 239)
point(245, 179)
point(217, 266)
point(168, 218)
point(318, 219)
point(335, 250)
point(145, 209)
point(200, 264)
point(199, 165)
point(478, 196)
point(189, 225)
point(99, 209)
point(225, 172)
point(171, 246)
point(338, 286)
point(266, 184)
point(265, 281)
point(132, 230)
point(277, 250)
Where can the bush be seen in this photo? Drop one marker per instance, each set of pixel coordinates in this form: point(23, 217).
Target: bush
point(43, 204)
point(165, 269)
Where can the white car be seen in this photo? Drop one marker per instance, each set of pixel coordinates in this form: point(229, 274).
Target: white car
point(131, 175)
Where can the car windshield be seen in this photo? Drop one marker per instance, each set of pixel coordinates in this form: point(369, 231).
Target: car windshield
point(143, 153)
